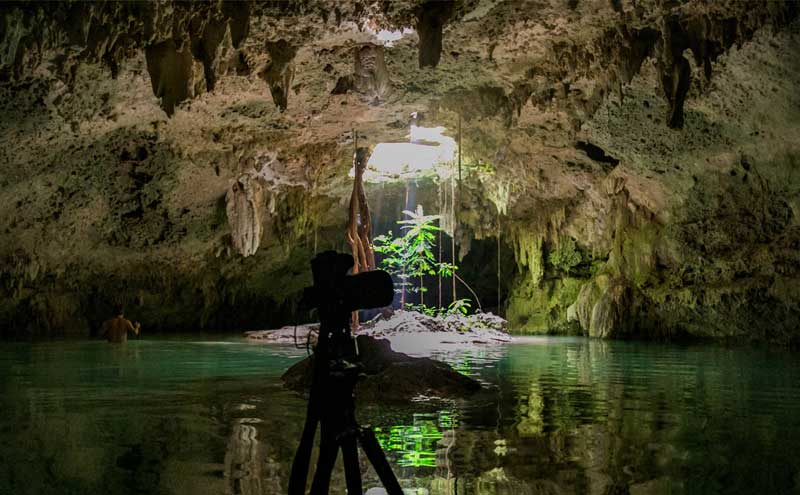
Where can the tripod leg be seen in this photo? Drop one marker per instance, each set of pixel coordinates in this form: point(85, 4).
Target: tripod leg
point(328, 450)
point(352, 469)
point(376, 456)
point(302, 458)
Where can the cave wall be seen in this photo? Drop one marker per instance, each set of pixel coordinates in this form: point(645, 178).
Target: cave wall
point(636, 159)
point(674, 234)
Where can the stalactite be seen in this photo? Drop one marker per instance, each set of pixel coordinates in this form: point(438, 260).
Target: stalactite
point(528, 252)
point(499, 193)
point(555, 222)
point(244, 208)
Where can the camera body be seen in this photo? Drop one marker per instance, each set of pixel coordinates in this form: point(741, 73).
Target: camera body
point(336, 295)
point(373, 289)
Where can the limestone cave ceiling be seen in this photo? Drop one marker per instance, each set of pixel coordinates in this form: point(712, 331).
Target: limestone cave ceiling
point(125, 125)
point(311, 70)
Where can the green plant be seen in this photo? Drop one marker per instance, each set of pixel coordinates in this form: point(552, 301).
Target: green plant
point(426, 310)
point(420, 239)
point(565, 256)
point(393, 261)
point(410, 257)
point(459, 306)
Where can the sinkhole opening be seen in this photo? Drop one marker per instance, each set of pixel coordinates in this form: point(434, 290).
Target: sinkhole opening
point(428, 153)
point(412, 187)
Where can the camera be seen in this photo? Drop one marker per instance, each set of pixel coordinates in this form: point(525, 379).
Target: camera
point(335, 291)
point(335, 370)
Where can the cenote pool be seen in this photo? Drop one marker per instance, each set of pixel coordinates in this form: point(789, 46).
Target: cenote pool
point(558, 415)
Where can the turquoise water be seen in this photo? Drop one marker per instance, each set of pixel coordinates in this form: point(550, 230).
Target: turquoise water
point(556, 415)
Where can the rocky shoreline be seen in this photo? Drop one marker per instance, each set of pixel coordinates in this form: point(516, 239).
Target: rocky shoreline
point(478, 328)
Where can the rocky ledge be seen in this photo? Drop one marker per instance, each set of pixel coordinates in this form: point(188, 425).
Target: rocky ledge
point(478, 328)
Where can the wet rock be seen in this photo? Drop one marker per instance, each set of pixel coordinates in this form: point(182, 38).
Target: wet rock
point(609, 314)
point(392, 377)
point(479, 328)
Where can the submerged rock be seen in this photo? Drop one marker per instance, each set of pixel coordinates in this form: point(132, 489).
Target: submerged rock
point(391, 376)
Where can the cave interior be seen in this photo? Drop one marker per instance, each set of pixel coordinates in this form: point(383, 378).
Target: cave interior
point(624, 169)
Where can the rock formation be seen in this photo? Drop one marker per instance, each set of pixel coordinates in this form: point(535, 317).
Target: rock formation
point(636, 160)
point(392, 377)
point(245, 209)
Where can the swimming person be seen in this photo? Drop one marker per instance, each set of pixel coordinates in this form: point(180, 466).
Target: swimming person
point(116, 329)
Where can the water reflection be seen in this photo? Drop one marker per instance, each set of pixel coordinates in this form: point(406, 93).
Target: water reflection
point(556, 416)
point(242, 461)
point(415, 444)
point(579, 416)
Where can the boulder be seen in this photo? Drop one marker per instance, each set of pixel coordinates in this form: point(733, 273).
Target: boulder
point(392, 377)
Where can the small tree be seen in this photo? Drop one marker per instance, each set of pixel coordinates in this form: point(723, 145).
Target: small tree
point(393, 261)
point(420, 240)
point(411, 257)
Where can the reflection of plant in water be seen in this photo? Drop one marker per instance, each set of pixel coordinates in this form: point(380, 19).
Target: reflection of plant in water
point(531, 422)
point(467, 363)
point(448, 419)
point(463, 365)
point(415, 444)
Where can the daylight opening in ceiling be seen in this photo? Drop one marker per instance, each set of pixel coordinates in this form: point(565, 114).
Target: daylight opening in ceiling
point(429, 152)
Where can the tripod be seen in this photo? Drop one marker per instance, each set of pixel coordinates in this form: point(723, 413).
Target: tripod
point(331, 403)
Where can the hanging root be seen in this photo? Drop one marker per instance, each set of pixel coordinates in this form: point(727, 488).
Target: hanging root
point(470, 290)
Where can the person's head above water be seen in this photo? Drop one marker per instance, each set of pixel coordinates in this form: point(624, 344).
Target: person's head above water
point(120, 311)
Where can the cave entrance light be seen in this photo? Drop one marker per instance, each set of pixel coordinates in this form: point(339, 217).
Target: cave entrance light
point(383, 36)
point(429, 153)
